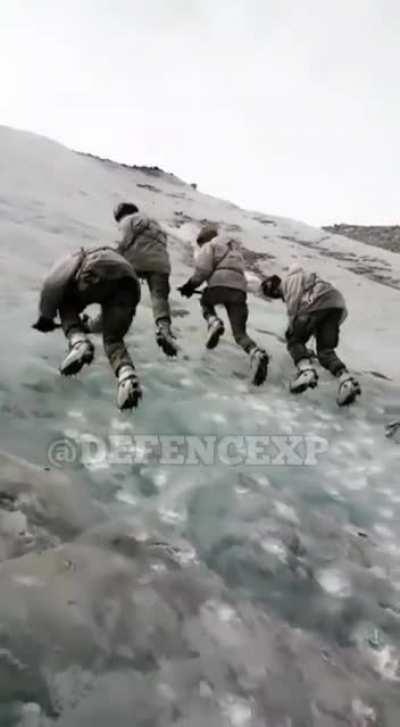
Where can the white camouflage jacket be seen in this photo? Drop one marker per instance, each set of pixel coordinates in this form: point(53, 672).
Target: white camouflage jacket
point(306, 293)
point(84, 267)
point(144, 244)
point(220, 262)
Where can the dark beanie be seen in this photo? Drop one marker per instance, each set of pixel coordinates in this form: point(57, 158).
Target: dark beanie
point(207, 233)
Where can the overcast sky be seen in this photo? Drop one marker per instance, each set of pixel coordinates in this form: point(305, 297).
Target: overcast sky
point(291, 107)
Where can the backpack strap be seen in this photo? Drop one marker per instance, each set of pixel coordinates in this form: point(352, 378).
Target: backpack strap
point(226, 253)
point(226, 267)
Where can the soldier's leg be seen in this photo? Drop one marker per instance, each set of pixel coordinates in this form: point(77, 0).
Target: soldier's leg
point(159, 291)
point(81, 349)
point(327, 337)
point(297, 335)
point(118, 311)
point(208, 301)
point(69, 316)
point(207, 304)
point(238, 313)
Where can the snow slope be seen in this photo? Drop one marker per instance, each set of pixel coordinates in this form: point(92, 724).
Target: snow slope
point(305, 557)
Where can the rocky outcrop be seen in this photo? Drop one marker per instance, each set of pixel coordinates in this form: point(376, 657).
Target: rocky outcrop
point(384, 236)
point(40, 507)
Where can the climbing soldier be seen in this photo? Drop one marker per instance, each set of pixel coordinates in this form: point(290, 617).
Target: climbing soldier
point(315, 308)
point(100, 276)
point(220, 263)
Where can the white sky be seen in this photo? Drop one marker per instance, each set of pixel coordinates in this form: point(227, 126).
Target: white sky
point(291, 107)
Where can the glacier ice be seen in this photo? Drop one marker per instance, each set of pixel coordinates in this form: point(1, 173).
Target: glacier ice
point(253, 613)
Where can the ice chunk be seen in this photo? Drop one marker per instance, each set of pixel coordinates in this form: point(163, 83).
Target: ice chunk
point(126, 497)
point(275, 548)
point(29, 581)
point(76, 414)
point(237, 711)
point(286, 512)
point(171, 516)
point(334, 582)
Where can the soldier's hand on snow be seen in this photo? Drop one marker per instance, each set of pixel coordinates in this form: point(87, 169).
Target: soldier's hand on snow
point(187, 289)
point(45, 325)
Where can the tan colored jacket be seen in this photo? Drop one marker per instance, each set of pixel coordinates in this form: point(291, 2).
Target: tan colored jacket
point(220, 263)
point(144, 244)
point(306, 293)
point(85, 268)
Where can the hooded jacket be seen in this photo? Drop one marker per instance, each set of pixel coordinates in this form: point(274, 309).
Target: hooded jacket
point(144, 244)
point(84, 268)
point(220, 263)
point(306, 293)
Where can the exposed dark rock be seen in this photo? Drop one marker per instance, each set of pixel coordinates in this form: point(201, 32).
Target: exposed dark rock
point(386, 236)
point(150, 188)
point(150, 171)
point(263, 220)
point(180, 218)
point(253, 259)
point(370, 267)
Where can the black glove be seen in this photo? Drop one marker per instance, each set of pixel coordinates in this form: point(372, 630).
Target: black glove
point(289, 331)
point(265, 288)
point(85, 320)
point(45, 325)
point(187, 289)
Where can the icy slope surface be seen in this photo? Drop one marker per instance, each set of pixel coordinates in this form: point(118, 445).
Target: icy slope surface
point(280, 602)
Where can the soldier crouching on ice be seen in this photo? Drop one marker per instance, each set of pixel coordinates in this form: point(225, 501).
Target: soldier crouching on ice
point(315, 308)
point(143, 243)
point(220, 263)
point(102, 276)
